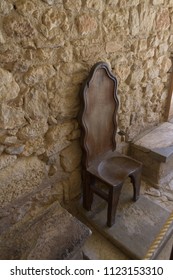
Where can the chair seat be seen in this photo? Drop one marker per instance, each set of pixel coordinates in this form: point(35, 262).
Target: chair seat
point(113, 168)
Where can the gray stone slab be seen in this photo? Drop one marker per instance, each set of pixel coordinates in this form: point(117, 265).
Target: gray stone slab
point(136, 227)
point(160, 137)
point(54, 234)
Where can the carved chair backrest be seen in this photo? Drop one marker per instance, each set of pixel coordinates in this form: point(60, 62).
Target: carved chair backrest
point(100, 105)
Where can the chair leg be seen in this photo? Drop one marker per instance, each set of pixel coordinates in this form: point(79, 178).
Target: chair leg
point(87, 191)
point(136, 181)
point(113, 198)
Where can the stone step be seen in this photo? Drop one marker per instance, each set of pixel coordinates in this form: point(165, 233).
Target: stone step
point(52, 234)
point(155, 151)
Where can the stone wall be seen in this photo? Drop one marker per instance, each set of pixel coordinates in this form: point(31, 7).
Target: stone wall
point(47, 48)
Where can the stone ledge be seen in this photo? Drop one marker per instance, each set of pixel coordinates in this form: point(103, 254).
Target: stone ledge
point(53, 234)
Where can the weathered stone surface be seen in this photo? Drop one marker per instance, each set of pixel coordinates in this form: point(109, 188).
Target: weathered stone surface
point(38, 74)
point(34, 129)
point(71, 157)
point(5, 7)
point(36, 104)
point(95, 5)
point(163, 20)
point(18, 27)
point(34, 146)
point(25, 7)
point(72, 5)
point(15, 149)
point(86, 24)
point(6, 160)
point(9, 89)
point(60, 132)
point(61, 234)
point(26, 174)
point(11, 117)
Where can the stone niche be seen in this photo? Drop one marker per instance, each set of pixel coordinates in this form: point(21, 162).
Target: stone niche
point(47, 48)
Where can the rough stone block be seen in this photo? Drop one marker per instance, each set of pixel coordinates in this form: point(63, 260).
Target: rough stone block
point(53, 234)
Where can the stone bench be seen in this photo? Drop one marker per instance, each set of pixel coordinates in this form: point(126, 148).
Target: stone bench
point(52, 234)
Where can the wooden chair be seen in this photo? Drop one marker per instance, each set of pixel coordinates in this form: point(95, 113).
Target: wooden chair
point(99, 126)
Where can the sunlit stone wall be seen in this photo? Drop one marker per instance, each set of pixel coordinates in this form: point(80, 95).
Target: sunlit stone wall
point(47, 48)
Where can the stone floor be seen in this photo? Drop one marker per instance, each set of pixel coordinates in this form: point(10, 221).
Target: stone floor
point(99, 247)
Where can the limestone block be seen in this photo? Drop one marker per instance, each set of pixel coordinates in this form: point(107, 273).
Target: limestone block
point(94, 5)
point(164, 64)
point(36, 104)
point(112, 2)
point(53, 18)
point(86, 24)
point(157, 2)
point(34, 129)
point(25, 7)
point(71, 156)
point(94, 51)
point(146, 17)
point(26, 174)
point(153, 72)
point(34, 146)
point(9, 89)
point(65, 104)
point(65, 53)
point(16, 149)
point(121, 68)
point(163, 20)
point(163, 48)
point(18, 27)
point(136, 77)
point(113, 47)
point(11, 117)
point(7, 160)
point(5, 7)
point(56, 137)
point(50, 2)
point(72, 5)
point(134, 21)
point(38, 74)
point(8, 140)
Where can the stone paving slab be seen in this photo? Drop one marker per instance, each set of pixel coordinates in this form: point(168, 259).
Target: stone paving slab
point(54, 234)
point(136, 227)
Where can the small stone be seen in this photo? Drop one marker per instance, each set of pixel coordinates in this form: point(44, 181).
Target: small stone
point(9, 89)
point(15, 150)
point(49, 2)
point(169, 195)
point(164, 198)
point(10, 117)
point(6, 160)
point(86, 24)
point(9, 140)
point(153, 192)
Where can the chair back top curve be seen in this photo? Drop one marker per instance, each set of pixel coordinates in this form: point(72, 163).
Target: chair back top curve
point(100, 105)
